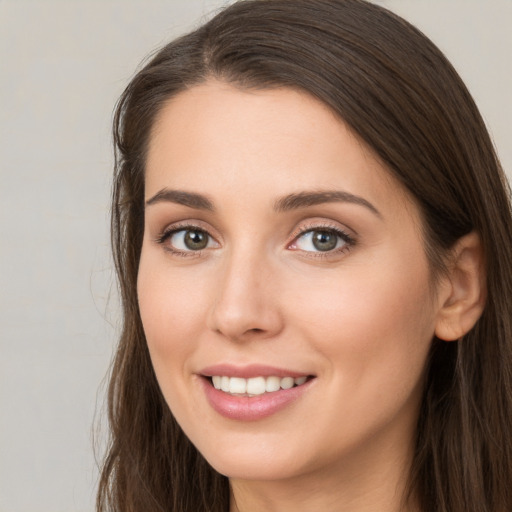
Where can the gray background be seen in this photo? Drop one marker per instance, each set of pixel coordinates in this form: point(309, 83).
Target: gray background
point(62, 66)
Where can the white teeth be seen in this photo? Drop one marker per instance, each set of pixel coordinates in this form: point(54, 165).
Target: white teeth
point(254, 385)
point(272, 384)
point(287, 382)
point(237, 385)
point(224, 384)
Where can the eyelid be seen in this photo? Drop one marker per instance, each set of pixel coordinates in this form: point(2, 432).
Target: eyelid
point(176, 227)
point(346, 234)
point(187, 224)
point(324, 225)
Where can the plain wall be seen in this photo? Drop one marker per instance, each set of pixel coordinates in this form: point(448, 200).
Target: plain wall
point(62, 66)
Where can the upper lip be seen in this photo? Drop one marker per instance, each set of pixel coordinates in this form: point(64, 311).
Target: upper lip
point(249, 371)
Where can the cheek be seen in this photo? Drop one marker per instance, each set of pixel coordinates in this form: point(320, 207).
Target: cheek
point(172, 306)
point(373, 324)
point(373, 331)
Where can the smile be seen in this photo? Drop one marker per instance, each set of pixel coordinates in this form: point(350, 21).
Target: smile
point(252, 393)
point(256, 385)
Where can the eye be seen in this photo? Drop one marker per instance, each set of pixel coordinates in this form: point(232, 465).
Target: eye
point(322, 240)
point(189, 239)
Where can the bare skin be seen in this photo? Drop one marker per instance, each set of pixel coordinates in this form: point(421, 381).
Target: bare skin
point(274, 237)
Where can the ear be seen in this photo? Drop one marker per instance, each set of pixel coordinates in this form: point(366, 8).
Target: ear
point(463, 297)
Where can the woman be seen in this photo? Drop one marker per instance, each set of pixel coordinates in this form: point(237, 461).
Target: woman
point(312, 235)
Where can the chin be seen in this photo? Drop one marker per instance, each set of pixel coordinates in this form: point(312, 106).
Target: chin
point(255, 462)
point(251, 470)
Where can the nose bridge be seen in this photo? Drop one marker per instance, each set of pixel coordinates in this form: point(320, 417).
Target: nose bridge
point(245, 303)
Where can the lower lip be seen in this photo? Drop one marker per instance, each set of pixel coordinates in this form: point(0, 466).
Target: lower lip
point(245, 408)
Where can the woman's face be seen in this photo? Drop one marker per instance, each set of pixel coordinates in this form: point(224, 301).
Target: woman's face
point(279, 252)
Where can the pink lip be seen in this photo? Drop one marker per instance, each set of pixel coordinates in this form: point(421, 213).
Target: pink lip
point(245, 408)
point(246, 372)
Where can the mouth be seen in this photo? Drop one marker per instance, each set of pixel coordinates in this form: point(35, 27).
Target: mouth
point(255, 386)
point(253, 392)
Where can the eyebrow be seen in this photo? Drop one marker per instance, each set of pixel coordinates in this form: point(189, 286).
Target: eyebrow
point(284, 204)
point(306, 199)
point(190, 199)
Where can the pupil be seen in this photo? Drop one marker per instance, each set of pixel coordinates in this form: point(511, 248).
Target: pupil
point(324, 240)
point(196, 240)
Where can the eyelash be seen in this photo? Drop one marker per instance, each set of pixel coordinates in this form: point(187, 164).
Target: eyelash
point(348, 240)
point(176, 228)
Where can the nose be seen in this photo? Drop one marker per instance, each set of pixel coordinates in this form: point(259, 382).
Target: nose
point(246, 305)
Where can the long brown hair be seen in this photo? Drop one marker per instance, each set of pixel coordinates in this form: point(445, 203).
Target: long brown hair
point(399, 94)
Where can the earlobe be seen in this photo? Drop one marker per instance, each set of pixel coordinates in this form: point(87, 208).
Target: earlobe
point(464, 300)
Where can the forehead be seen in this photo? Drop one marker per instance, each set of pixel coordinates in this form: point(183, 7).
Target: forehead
point(215, 136)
